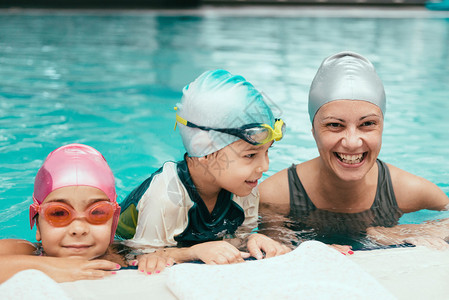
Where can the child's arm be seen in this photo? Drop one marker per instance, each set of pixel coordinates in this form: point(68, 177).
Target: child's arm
point(256, 242)
point(217, 253)
point(213, 253)
point(18, 255)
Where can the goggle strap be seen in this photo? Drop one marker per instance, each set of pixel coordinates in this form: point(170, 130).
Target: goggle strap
point(176, 121)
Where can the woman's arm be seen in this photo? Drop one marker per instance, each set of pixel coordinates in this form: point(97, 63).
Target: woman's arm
point(414, 193)
point(434, 234)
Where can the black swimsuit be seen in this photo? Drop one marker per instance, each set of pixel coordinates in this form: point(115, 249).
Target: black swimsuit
point(331, 225)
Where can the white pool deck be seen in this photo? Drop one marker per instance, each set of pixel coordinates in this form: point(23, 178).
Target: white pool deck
point(405, 273)
point(312, 271)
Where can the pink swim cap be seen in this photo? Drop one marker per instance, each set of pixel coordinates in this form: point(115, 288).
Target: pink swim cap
point(74, 165)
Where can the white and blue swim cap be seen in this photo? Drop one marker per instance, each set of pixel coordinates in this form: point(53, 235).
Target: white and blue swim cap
point(346, 76)
point(218, 99)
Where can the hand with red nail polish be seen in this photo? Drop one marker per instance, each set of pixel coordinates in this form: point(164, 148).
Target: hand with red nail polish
point(343, 249)
point(153, 262)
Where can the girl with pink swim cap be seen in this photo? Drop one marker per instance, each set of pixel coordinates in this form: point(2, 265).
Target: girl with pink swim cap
point(76, 213)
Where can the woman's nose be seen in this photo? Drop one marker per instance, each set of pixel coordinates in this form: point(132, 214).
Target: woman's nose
point(352, 139)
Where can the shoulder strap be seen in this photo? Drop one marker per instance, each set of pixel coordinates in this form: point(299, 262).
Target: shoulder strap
point(299, 200)
point(385, 206)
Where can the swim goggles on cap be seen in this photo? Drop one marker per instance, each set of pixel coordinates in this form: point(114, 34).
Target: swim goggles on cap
point(59, 214)
point(255, 133)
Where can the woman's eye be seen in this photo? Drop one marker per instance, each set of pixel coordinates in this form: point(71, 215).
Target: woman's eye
point(334, 125)
point(369, 123)
point(250, 155)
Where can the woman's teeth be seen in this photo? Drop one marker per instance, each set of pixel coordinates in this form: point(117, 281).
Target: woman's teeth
point(350, 159)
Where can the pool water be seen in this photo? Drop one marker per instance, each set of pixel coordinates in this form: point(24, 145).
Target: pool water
point(110, 79)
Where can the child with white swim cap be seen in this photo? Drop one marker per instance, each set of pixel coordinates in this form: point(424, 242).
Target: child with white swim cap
point(226, 128)
point(76, 213)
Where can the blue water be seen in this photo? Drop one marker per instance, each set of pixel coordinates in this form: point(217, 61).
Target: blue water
point(111, 79)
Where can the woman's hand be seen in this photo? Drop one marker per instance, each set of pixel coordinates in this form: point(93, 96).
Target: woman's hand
point(258, 242)
point(343, 249)
point(218, 253)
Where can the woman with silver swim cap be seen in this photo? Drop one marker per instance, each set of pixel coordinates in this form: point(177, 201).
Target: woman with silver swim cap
point(347, 191)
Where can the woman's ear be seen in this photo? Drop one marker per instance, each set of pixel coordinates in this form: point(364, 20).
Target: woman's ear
point(313, 132)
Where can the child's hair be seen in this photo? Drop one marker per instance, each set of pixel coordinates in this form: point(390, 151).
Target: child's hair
point(219, 99)
point(74, 165)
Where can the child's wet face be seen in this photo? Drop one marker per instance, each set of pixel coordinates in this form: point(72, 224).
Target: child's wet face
point(79, 238)
point(238, 167)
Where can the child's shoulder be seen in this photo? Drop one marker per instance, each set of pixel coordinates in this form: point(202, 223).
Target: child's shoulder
point(18, 247)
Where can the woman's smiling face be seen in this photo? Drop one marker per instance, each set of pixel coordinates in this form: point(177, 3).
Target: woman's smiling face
point(348, 134)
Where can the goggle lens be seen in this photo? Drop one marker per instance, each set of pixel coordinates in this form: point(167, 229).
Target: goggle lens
point(100, 213)
point(257, 135)
point(56, 214)
point(264, 133)
point(60, 214)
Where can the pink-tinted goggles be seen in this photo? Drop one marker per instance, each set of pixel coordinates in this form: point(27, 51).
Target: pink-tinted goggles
point(60, 214)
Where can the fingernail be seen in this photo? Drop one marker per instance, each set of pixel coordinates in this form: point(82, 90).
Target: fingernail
point(141, 271)
point(351, 252)
point(167, 265)
point(157, 272)
point(134, 263)
point(149, 273)
point(113, 273)
point(117, 266)
point(343, 253)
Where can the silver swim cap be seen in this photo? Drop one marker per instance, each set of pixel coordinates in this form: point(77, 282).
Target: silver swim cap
point(346, 76)
point(218, 99)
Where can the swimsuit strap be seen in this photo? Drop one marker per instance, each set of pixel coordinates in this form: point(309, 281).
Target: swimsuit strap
point(385, 206)
point(299, 200)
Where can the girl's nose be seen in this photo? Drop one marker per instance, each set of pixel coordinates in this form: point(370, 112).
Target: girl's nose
point(79, 227)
